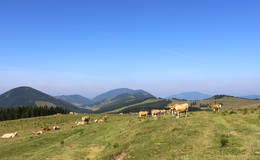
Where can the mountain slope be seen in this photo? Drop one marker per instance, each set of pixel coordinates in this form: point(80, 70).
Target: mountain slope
point(27, 96)
point(120, 101)
point(116, 92)
point(76, 100)
point(191, 96)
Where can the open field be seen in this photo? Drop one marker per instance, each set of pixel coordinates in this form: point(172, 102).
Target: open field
point(203, 135)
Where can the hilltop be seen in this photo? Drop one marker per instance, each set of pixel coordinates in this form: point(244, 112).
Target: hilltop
point(116, 92)
point(27, 96)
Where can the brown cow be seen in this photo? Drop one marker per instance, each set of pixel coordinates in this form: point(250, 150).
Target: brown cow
point(216, 107)
point(143, 113)
point(37, 132)
point(155, 112)
point(99, 120)
point(180, 108)
point(164, 111)
point(85, 119)
point(105, 118)
point(46, 129)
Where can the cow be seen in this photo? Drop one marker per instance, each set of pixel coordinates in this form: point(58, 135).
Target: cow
point(216, 107)
point(99, 120)
point(46, 129)
point(56, 128)
point(9, 135)
point(37, 132)
point(80, 123)
point(143, 113)
point(105, 118)
point(155, 112)
point(163, 111)
point(86, 119)
point(180, 108)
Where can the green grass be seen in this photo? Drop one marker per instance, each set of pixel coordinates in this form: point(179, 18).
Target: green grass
point(203, 135)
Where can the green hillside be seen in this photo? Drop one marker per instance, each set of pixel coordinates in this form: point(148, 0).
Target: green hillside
point(27, 96)
point(228, 103)
point(76, 100)
point(119, 102)
point(117, 92)
point(202, 136)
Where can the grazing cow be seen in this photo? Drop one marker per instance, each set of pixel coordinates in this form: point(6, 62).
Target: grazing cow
point(80, 123)
point(56, 128)
point(180, 108)
point(46, 129)
point(143, 113)
point(164, 111)
point(99, 120)
point(121, 113)
point(155, 112)
point(71, 113)
point(216, 107)
point(86, 119)
point(105, 118)
point(37, 132)
point(9, 135)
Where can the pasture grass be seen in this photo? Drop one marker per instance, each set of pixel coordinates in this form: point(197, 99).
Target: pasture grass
point(203, 135)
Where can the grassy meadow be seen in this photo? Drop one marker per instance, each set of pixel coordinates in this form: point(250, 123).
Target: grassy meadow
point(204, 135)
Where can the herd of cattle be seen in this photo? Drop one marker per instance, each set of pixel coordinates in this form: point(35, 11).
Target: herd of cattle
point(175, 109)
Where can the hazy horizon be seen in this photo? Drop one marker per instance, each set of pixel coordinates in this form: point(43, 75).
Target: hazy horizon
point(163, 47)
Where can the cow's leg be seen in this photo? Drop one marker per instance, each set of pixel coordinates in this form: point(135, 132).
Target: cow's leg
point(178, 115)
point(218, 109)
point(186, 113)
point(214, 109)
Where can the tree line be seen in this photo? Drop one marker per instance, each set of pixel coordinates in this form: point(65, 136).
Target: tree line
point(29, 111)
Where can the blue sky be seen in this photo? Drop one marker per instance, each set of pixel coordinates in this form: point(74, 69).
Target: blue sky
point(164, 47)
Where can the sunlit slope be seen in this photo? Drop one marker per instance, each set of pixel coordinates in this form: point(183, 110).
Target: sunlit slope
point(203, 135)
point(228, 103)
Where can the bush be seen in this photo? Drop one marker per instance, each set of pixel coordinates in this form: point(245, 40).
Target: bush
point(232, 112)
point(116, 145)
point(223, 140)
point(245, 111)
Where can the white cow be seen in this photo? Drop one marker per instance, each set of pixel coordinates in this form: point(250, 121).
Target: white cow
point(9, 135)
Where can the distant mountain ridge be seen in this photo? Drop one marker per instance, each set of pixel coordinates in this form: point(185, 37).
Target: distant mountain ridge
point(191, 96)
point(120, 101)
point(252, 97)
point(116, 92)
point(27, 96)
point(77, 100)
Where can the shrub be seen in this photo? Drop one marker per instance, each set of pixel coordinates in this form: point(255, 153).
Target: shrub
point(116, 145)
point(223, 140)
point(232, 112)
point(245, 111)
